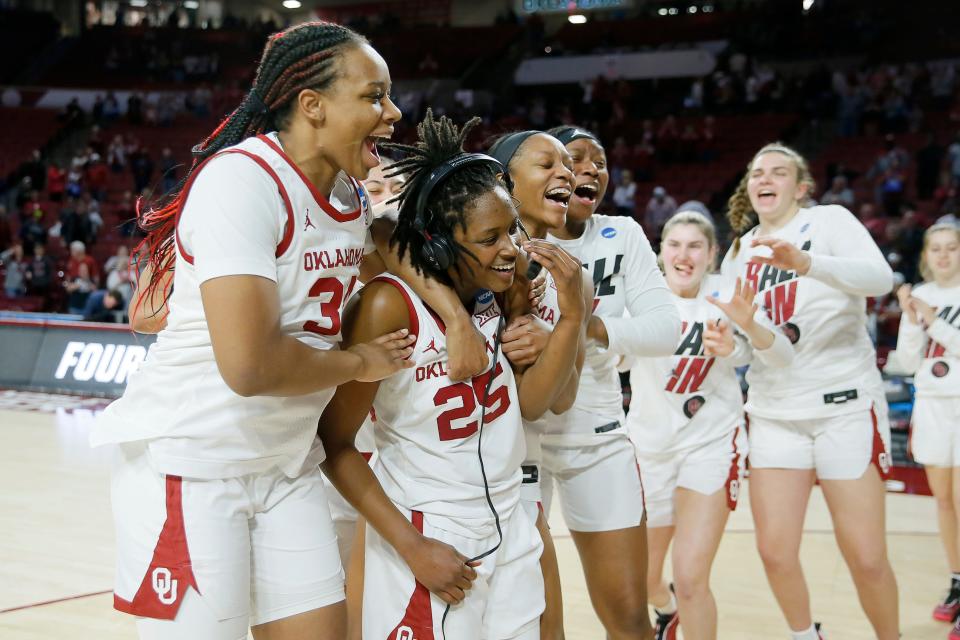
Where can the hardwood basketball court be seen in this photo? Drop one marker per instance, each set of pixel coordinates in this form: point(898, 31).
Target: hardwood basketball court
point(56, 547)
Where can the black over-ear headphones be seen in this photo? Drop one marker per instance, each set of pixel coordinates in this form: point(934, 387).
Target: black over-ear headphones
point(437, 249)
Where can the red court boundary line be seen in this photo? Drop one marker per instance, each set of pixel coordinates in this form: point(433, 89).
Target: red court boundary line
point(58, 600)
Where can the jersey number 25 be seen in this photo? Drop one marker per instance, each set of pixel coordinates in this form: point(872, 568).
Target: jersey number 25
point(497, 403)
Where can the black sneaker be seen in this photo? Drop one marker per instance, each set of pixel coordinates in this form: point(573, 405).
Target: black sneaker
point(667, 623)
point(949, 608)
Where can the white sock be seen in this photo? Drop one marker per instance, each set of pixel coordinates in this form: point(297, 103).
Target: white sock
point(808, 634)
point(670, 608)
point(955, 577)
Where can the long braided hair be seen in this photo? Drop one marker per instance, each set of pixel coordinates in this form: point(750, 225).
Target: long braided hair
point(302, 57)
point(437, 141)
point(740, 212)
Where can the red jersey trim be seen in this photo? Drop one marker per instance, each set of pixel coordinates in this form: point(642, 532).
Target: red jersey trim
point(418, 618)
point(320, 199)
point(733, 478)
point(879, 455)
point(411, 310)
point(170, 571)
point(287, 232)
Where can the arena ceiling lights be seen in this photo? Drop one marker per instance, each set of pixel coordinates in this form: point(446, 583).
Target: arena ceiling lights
point(577, 18)
point(291, 4)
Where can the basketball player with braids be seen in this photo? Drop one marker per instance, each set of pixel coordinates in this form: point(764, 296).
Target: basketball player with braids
point(928, 346)
point(448, 551)
point(221, 517)
point(590, 459)
point(686, 420)
point(823, 417)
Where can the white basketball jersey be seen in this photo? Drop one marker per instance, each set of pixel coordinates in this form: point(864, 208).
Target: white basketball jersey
point(834, 371)
point(689, 398)
point(427, 428)
point(249, 210)
point(611, 250)
point(935, 353)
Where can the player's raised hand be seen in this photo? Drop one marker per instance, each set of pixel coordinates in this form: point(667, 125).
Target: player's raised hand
point(785, 255)
point(384, 356)
point(905, 296)
point(466, 350)
point(524, 339)
point(926, 314)
point(567, 274)
point(717, 339)
point(443, 570)
point(741, 308)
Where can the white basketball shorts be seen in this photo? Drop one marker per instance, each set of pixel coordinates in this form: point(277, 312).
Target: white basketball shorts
point(598, 486)
point(256, 548)
point(505, 602)
point(839, 447)
point(705, 468)
point(935, 431)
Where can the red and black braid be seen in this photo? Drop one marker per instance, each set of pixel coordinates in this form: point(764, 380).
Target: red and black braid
point(301, 57)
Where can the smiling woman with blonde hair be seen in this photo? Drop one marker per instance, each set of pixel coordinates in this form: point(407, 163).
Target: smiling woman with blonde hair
point(824, 417)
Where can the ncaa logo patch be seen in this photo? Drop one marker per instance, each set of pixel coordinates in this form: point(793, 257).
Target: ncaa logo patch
point(608, 232)
point(804, 227)
point(485, 297)
point(692, 405)
point(940, 369)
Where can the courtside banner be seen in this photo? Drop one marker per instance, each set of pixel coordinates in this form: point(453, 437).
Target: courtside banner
point(87, 358)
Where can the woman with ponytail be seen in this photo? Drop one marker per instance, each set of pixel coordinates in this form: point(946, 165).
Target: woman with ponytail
point(221, 518)
point(449, 550)
point(823, 417)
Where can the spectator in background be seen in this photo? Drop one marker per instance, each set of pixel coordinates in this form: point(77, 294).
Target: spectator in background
point(15, 280)
point(624, 196)
point(103, 305)
point(141, 165)
point(876, 225)
point(117, 154)
point(111, 108)
point(117, 268)
point(168, 170)
point(78, 288)
point(135, 109)
point(76, 225)
point(839, 193)
point(642, 160)
point(659, 209)
point(32, 232)
point(35, 169)
point(909, 244)
point(126, 212)
point(78, 259)
point(56, 182)
point(40, 271)
point(95, 141)
point(96, 177)
point(891, 187)
point(928, 158)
